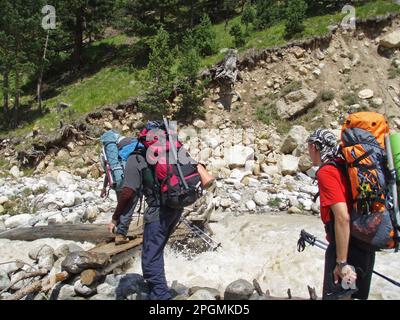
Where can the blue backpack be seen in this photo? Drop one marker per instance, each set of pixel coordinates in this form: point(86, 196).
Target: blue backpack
point(115, 154)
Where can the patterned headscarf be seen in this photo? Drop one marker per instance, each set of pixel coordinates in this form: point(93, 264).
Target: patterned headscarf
point(326, 143)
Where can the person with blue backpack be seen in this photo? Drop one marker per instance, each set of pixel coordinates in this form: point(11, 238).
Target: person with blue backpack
point(116, 154)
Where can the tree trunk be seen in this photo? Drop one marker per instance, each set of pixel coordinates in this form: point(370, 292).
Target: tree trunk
point(5, 93)
point(17, 88)
point(78, 47)
point(191, 13)
point(40, 80)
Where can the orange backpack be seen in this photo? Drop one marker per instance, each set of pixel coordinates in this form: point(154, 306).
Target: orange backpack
point(363, 147)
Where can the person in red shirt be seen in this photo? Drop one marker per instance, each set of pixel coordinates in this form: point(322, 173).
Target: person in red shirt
point(346, 259)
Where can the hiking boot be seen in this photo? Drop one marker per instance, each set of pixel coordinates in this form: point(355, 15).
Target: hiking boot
point(120, 239)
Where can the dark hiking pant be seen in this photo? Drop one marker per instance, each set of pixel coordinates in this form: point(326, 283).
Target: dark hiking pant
point(125, 218)
point(155, 237)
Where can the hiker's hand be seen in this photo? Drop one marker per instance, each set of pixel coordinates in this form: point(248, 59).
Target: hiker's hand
point(103, 192)
point(347, 273)
point(111, 226)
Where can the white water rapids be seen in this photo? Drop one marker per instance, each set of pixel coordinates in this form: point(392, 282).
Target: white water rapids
point(262, 247)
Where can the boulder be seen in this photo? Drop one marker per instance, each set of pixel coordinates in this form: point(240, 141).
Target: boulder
point(82, 290)
point(214, 292)
point(22, 220)
point(251, 205)
point(3, 200)
point(2, 209)
point(64, 179)
point(391, 40)
point(260, 198)
point(289, 165)
point(294, 210)
point(237, 156)
point(14, 171)
point(270, 170)
point(68, 199)
point(4, 280)
point(202, 295)
point(296, 136)
point(239, 290)
point(91, 214)
point(295, 103)
point(199, 124)
point(107, 290)
point(66, 292)
point(366, 94)
point(305, 163)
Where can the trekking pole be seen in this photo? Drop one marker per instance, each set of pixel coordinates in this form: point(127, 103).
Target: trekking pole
point(202, 235)
point(175, 154)
point(206, 235)
point(393, 189)
point(312, 240)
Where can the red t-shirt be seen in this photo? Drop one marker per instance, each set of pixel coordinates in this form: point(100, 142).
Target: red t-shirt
point(333, 188)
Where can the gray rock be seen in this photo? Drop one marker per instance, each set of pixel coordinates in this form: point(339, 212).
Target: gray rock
point(202, 295)
point(305, 163)
point(101, 296)
point(289, 165)
point(83, 290)
point(260, 198)
point(3, 200)
point(294, 210)
point(391, 40)
point(11, 267)
point(237, 156)
point(4, 280)
point(366, 94)
point(178, 289)
point(270, 170)
point(235, 197)
point(40, 250)
point(296, 136)
point(251, 205)
point(215, 293)
point(91, 214)
point(14, 171)
point(66, 292)
point(295, 103)
point(64, 179)
point(2, 226)
point(107, 290)
point(21, 220)
point(239, 290)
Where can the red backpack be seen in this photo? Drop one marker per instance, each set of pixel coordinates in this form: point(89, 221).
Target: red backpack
point(175, 171)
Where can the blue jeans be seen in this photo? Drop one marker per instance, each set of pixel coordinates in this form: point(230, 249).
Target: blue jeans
point(155, 237)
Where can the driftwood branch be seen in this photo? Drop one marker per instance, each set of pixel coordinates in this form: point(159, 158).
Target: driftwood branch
point(33, 274)
point(39, 285)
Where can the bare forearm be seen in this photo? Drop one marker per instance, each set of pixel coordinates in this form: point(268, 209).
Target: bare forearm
point(342, 230)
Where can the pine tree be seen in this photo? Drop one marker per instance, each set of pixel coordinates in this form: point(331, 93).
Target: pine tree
point(237, 33)
point(249, 14)
point(80, 19)
point(192, 89)
point(205, 37)
point(296, 13)
point(268, 13)
point(21, 39)
point(160, 75)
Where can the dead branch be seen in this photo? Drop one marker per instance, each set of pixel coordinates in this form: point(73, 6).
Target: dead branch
point(33, 274)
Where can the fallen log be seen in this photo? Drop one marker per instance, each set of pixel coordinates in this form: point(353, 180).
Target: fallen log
point(95, 233)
